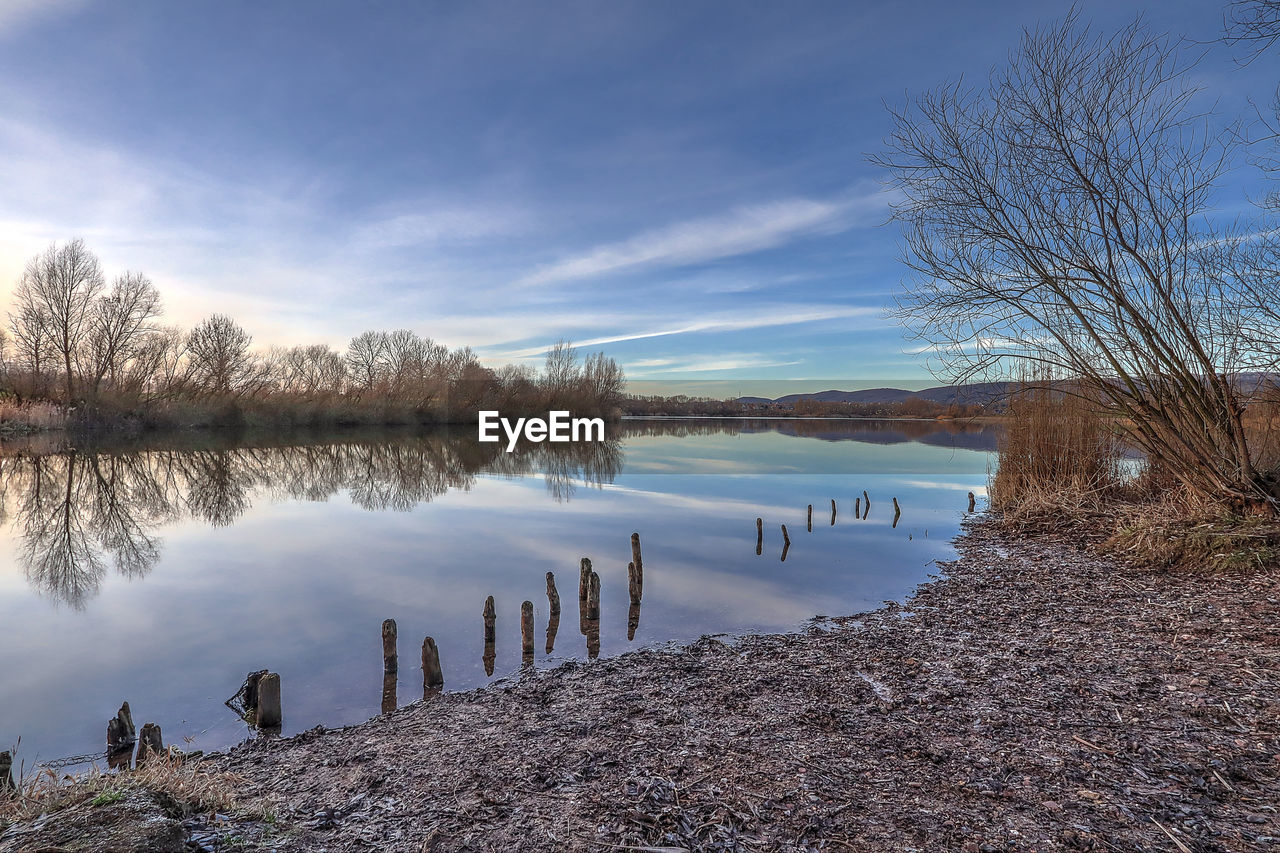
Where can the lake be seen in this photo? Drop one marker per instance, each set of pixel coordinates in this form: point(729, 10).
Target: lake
point(162, 573)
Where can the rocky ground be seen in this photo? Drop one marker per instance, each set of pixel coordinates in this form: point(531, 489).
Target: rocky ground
point(1037, 697)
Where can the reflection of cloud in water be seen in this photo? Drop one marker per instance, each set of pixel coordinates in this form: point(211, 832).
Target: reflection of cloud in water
point(979, 491)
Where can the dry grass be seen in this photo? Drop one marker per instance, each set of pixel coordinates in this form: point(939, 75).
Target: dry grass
point(189, 786)
point(20, 418)
point(1057, 458)
point(1177, 531)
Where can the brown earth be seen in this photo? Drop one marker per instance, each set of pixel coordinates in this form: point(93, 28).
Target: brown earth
point(1038, 697)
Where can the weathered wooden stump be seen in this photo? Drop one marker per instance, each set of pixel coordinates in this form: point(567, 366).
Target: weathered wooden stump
point(639, 562)
point(121, 734)
point(633, 620)
point(526, 632)
point(6, 771)
point(592, 621)
point(759, 536)
point(270, 710)
point(490, 615)
point(390, 660)
point(150, 744)
point(553, 595)
point(833, 512)
point(593, 597)
point(432, 674)
point(809, 519)
point(972, 502)
point(857, 507)
point(388, 692)
point(584, 578)
point(633, 584)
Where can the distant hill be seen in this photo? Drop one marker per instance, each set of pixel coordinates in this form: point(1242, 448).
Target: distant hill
point(978, 393)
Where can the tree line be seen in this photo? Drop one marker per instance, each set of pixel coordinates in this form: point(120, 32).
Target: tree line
point(76, 340)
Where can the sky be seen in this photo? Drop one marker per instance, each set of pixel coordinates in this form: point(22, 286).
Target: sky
point(684, 186)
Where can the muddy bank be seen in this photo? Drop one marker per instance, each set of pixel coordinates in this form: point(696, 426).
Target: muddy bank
point(1036, 698)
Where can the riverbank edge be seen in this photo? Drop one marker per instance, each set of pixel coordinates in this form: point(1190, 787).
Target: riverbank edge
point(992, 710)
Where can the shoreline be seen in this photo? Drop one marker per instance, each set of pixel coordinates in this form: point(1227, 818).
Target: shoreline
point(1035, 696)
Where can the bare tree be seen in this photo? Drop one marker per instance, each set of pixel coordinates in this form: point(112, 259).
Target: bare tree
point(1254, 24)
point(32, 330)
point(118, 328)
point(218, 355)
point(367, 359)
point(63, 284)
point(1061, 217)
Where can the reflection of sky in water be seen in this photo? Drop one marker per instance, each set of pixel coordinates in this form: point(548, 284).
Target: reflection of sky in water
point(300, 581)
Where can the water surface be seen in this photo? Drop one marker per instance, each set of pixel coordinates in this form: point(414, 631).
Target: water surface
point(163, 573)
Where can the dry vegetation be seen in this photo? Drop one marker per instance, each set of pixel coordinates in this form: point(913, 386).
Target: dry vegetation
point(1063, 464)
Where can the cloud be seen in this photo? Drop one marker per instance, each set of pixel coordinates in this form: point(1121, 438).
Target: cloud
point(775, 316)
point(697, 364)
point(439, 225)
point(741, 231)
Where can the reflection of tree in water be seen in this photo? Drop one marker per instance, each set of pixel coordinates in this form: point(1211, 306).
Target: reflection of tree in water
point(81, 513)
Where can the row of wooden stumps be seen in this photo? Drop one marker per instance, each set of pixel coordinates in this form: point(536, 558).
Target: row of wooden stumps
point(861, 510)
point(432, 674)
point(122, 737)
point(588, 617)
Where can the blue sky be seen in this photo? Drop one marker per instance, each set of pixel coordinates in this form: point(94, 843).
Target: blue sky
point(683, 185)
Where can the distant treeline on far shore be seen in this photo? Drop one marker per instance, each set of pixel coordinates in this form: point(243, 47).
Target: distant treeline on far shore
point(911, 407)
point(79, 351)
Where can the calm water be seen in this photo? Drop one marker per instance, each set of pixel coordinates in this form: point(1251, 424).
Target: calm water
point(162, 575)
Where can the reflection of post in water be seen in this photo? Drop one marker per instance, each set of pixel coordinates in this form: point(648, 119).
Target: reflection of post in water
point(833, 512)
point(432, 674)
point(808, 519)
point(866, 506)
point(897, 513)
point(592, 613)
point(526, 633)
point(786, 543)
point(635, 588)
point(553, 604)
point(759, 535)
point(490, 635)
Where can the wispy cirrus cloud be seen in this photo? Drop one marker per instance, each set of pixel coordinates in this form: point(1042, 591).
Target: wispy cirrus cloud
point(775, 316)
point(741, 231)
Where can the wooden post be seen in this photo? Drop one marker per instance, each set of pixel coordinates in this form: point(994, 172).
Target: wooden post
point(584, 578)
point(121, 735)
point(633, 584)
point(866, 511)
point(759, 536)
point(432, 674)
point(633, 620)
point(553, 595)
point(833, 512)
point(809, 519)
point(857, 508)
point(897, 513)
point(270, 711)
point(490, 635)
point(390, 661)
point(251, 691)
point(593, 617)
point(388, 692)
point(526, 632)
point(786, 546)
point(971, 502)
point(150, 743)
point(6, 771)
point(786, 540)
point(635, 558)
